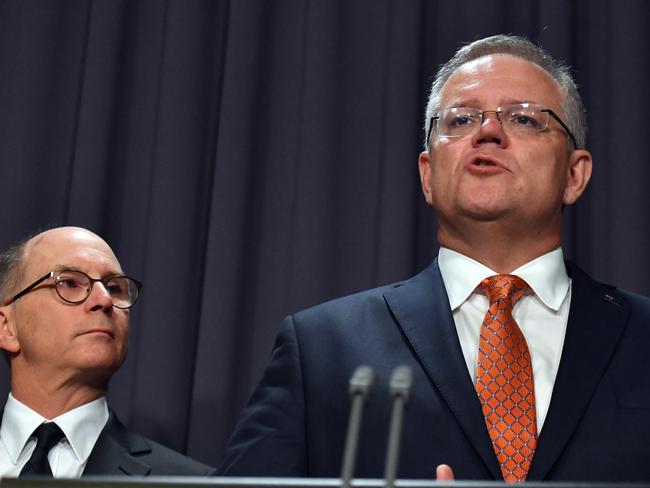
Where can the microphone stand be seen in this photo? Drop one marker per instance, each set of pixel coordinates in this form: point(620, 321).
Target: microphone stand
point(360, 384)
point(401, 382)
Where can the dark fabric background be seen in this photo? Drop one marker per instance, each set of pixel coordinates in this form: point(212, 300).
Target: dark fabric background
point(246, 159)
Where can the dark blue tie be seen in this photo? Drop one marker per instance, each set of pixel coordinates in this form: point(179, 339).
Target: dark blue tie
point(47, 436)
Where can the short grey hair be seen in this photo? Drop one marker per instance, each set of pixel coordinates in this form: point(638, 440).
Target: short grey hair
point(12, 264)
point(520, 47)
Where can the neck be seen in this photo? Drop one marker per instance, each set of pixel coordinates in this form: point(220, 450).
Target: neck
point(500, 249)
point(54, 398)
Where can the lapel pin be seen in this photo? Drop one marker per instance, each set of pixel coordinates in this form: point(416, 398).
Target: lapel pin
point(611, 299)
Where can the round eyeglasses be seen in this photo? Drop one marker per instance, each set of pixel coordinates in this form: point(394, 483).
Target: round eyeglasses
point(76, 286)
point(518, 118)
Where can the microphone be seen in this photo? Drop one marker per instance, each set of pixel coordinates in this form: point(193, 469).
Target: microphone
point(360, 384)
point(401, 382)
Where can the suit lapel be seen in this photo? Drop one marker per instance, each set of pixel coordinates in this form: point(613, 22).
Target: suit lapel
point(597, 317)
point(421, 308)
point(114, 452)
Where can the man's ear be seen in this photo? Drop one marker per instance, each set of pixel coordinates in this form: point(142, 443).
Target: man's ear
point(8, 334)
point(578, 175)
point(424, 165)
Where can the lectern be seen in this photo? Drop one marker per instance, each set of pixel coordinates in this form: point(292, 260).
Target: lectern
point(242, 482)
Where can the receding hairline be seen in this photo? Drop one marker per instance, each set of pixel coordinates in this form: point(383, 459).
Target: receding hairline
point(557, 85)
point(24, 249)
point(522, 48)
point(67, 233)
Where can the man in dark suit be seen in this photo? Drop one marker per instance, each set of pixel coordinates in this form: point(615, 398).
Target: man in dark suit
point(524, 367)
point(64, 325)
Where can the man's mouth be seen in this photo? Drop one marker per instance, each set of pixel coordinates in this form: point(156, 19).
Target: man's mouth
point(99, 330)
point(487, 165)
point(483, 162)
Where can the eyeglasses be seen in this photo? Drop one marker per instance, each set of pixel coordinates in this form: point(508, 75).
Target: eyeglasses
point(76, 286)
point(519, 118)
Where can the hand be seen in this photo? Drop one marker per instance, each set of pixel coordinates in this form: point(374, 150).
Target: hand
point(444, 473)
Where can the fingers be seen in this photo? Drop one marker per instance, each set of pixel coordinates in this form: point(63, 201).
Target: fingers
point(444, 473)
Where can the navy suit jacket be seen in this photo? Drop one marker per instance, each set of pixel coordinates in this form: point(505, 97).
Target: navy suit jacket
point(120, 452)
point(597, 426)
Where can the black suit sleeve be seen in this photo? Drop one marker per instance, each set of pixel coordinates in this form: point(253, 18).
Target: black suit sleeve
point(270, 438)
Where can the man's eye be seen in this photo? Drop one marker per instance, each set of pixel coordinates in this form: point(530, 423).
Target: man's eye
point(524, 119)
point(116, 287)
point(460, 121)
point(67, 283)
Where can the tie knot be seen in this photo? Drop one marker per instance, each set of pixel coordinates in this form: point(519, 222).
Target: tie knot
point(48, 435)
point(504, 287)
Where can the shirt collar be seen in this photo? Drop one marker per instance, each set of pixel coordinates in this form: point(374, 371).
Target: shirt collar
point(81, 426)
point(18, 423)
point(546, 275)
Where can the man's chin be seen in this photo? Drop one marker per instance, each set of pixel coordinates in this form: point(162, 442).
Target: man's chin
point(97, 374)
point(484, 213)
point(481, 204)
point(99, 365)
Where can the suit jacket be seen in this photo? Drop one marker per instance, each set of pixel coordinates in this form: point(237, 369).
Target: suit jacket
point(597, 426)
point(120, 452)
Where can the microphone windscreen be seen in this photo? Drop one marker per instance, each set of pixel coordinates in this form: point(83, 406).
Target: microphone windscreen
point(362, 380)
point(401, 382)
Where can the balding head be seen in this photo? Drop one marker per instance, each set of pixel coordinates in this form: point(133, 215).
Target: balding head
point(52, 243)
point(14, 261)
point(64, 337)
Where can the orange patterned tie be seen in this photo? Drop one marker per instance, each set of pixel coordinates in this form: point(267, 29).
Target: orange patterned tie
point(505, 379)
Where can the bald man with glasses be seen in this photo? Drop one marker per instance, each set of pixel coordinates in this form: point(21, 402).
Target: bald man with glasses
point(64, 324)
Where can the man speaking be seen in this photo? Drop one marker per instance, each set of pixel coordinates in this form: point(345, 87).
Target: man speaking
point(524, 367)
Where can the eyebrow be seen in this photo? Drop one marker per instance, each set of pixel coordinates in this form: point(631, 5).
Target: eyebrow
point(474, 103)
point(65, 267)
point(464, 102)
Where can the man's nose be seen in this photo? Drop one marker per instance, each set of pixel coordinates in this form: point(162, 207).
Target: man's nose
point(100, 298)
point(490, 130)
point(487, 114)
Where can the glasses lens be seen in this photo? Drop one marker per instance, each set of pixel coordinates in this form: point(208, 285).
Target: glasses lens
point(525, 117)
point(72, 286)
point(123, 290)
point(458, 121)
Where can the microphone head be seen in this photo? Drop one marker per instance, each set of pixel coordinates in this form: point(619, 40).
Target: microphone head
point(401, 382)
point(361, 380)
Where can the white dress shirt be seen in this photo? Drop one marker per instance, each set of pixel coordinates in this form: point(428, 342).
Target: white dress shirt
point(542, 316)
point(68, 458)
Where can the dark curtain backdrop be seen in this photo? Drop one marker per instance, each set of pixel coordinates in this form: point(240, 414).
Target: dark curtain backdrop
point(249, 158)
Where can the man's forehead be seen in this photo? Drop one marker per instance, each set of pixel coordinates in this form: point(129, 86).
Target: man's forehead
point(495, 62)
point(481, 63)
point(515, 78)
point(70, 246)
